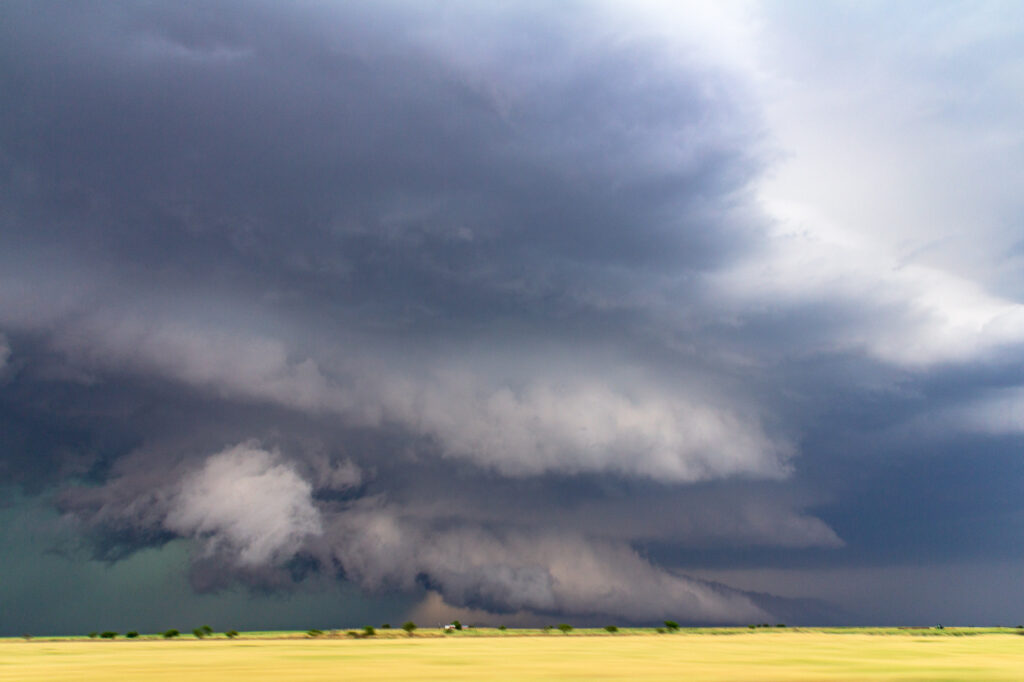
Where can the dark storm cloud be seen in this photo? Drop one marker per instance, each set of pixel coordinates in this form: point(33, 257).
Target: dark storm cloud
point(481, 302)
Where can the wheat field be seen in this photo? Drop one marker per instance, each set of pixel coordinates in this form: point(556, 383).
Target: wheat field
point(690, 655)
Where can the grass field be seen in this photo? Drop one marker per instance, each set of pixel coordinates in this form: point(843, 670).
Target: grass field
point(790, 654)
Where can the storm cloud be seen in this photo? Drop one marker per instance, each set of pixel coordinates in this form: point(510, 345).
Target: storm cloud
point(570, 311)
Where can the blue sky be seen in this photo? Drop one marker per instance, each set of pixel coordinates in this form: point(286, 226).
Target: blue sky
point(370, 311)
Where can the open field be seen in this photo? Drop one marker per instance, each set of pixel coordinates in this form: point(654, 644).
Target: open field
point(762, 655)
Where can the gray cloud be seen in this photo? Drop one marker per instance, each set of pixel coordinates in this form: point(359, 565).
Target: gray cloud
point(543, 572)
point(470, 300)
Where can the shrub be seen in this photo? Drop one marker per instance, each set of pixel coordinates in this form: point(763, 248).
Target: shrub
point(671, 625)
point(26, 636)
point(385, 626)
point(199, 633)
point(231, 634)
point(611, 628)
point(93, 635)
point(780, 625)
point(131, 635)
point(662, 631)
point(206, 629)
point(457, 624)
point(109, 634)
point(565, 628)
point(368, 631)
point(352, 633)
point(314, 632)
point(502, 628)
point(171, 634)
point(548, 628)
point(409, 626)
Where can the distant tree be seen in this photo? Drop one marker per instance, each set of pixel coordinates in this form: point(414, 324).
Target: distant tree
point(409, 626)
point(780, 625)
point(170, 634)
point(661, 631)
point(352, 633)
point(385, 626)
point(109, 634)
point(368, 631)
point(457, 625)
point(199, 633)
point(548, 628)
point(231, 634)
point(671, 625)
point(314, 632)
point(502, 628)
point(131, 634)
point(93, 635)
point(611, 628)
point(26, 636)
point(565, 628)
point(206, 629)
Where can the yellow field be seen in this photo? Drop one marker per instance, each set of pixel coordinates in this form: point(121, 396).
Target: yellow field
point(753, 656)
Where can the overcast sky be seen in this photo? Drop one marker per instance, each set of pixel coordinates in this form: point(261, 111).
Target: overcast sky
point(326, 314)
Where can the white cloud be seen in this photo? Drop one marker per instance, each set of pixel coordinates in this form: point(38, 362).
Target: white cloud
point(897, 178)
point(246, 503)
point(583, 424)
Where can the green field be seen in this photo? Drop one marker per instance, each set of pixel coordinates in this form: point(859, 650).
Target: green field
point(706, 654)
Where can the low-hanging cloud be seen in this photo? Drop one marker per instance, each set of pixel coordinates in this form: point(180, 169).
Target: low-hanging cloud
point(246, 504)
point(249, 512)
point(539, 571)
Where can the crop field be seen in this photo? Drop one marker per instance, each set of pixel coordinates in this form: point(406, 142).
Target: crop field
point(706, 654)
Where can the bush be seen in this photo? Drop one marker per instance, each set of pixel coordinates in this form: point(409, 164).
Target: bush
point(93, 635)
point(206, 629)
point(661, 631)
point(352, 633)
point(457, 624)
point(502, 628)
point(368, 631)
point(231, 634)
point(385, 626)
point(548, 628)
point(671, 625)
point(109, 634)
point(199, 633)
point(409, 626)
point(780, 625)
point(565, 628)
point(611, 628)
point(314, 632)
point(131, 635)
point(171, 634)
